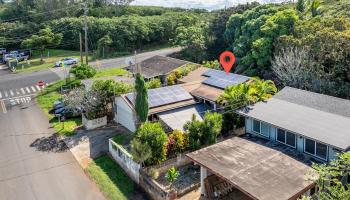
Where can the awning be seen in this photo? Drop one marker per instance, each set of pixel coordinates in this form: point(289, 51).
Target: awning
point(177, 118)
point(257, 170)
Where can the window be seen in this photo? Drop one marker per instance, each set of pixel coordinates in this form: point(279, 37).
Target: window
point(317, 149)
point(281, 137)
point(321, 150)
point(290, 139)
point(261, 128)
point(256, 126)
point(286, 137)
point(264, 129)
point(309, 146)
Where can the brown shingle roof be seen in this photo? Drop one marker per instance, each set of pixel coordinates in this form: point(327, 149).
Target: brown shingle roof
point(157, 65)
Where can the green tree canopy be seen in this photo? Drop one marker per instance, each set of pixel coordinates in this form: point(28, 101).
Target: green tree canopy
point(44, 39)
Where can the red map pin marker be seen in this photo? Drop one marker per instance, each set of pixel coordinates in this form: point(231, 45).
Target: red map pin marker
point(227, 59)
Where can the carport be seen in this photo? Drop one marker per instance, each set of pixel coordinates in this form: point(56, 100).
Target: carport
point(244, 169)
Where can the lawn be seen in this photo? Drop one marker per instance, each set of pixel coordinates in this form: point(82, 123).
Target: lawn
point(109, 72)
point(110, 178)
point(45, 100)
point(50, 57)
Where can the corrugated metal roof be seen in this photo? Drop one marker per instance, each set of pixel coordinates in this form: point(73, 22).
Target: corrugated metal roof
point(255, 168)
point(312, 115)
point(177, 118)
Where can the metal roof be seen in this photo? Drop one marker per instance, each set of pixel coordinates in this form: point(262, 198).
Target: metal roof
point(312, 115)
point(177, 118)
point(259, 171)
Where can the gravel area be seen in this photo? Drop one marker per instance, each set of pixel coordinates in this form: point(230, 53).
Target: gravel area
point(189, 175)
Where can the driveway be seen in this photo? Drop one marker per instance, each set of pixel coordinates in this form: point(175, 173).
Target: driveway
point(34, 164)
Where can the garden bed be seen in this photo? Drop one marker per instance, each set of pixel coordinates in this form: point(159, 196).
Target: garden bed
point(188, 179)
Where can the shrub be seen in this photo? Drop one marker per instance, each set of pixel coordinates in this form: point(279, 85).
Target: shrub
point(83, 71)
point(180, 72)
point(203, 132)
point(154, 83)
point(212, 127)
point(171, 175)
point(153, 172)
point(154, 135)
point(140, 151)
point(178, 141)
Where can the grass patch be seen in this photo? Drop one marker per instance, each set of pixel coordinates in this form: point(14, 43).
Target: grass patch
point(109, 72)
point(110, 178)
point(45, 100)
point(122, 139)
point(50, 57)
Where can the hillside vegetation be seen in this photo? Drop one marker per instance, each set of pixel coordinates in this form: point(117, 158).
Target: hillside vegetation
point(305, 47)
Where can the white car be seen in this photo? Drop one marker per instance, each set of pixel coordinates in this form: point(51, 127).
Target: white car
point(66, 61)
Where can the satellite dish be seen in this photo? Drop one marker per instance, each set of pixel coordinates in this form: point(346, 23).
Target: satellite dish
point(129, 61)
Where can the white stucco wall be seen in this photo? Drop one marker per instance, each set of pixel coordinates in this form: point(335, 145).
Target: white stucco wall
point(94, 123)
point(125, 115)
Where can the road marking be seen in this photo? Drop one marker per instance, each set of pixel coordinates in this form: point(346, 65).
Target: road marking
point(20, 100)
point(6, 95)
point(33, 88)
point(37, 87)
point(11, 92)
point(28, 90)
point(17, 92)
point(3, 106)
point(0, 95)
point(23, 92)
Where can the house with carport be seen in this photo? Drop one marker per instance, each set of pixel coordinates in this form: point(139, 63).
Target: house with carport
point(272, 160)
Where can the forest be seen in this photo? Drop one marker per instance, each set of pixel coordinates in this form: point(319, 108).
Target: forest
point(304, 44)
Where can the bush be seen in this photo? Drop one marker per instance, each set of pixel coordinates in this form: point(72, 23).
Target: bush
point(178, 142)
point(154, 83)
point(153, 173)
point(180, 72)
point(83, 71)
point(154, 135)
point(203, 132)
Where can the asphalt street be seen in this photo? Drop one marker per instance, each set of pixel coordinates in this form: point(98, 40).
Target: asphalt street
point(33, 168)
point(33, 164)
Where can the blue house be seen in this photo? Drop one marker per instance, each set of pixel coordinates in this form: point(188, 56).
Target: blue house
point(314, 124)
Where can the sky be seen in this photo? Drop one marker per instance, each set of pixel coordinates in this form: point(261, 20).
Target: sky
point(203, 4)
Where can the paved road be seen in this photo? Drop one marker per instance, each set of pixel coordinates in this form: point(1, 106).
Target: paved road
point(31, 170)
point(118, 62)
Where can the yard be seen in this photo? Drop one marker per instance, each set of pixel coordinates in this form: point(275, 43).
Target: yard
point(50, 57)
point(112, 180)
point(45, 100)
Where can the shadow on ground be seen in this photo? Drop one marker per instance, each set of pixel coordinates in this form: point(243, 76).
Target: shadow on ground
point(51, 143)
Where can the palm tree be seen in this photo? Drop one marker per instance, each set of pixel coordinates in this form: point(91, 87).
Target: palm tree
point(140, 151)
point(263, 89)
point(248, 93)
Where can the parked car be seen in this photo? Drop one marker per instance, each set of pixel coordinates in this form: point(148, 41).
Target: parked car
point(59, 110)
point(15, 55)
point(66, 61)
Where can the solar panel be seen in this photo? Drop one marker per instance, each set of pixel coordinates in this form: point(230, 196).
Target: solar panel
point(222, 80)
point(163, 96)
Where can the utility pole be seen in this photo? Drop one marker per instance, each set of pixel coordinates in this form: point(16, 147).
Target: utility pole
point(86, 33)
point(81, 48)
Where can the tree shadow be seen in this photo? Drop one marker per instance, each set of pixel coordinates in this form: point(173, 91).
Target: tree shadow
point(52, 143)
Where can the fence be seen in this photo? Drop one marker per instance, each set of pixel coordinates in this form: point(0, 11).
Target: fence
point(124, 159)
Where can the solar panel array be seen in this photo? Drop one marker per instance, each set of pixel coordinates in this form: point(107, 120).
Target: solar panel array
point(222, 80)
point(163, 96)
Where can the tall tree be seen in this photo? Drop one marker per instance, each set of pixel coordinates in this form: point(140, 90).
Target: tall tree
point(141, 104)
point(103, 43)
point(44, 39)
point(300, 6)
